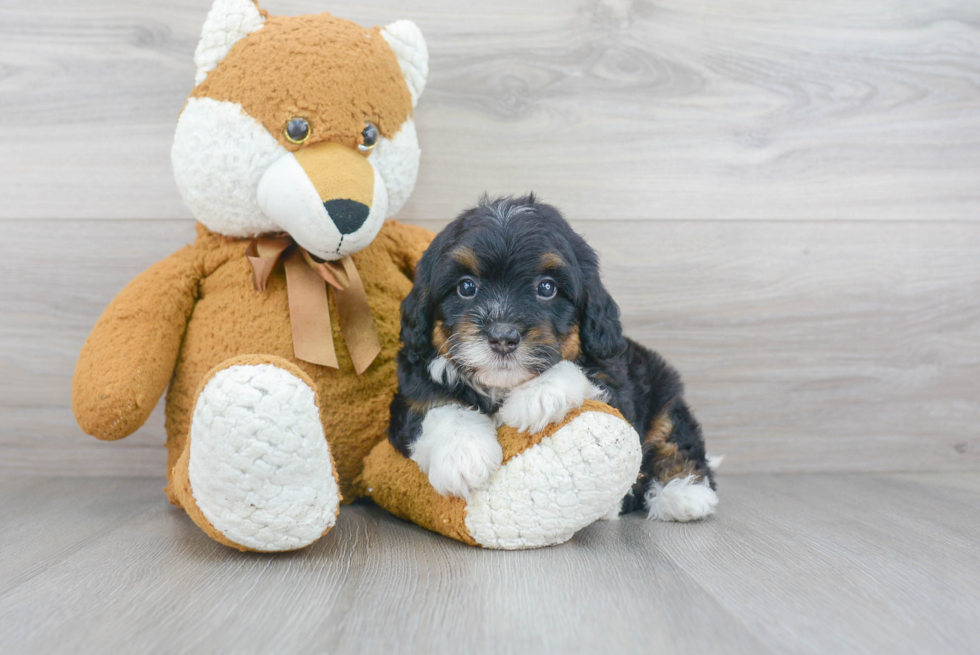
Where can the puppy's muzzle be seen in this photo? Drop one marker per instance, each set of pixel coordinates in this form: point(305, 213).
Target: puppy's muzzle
point(503, 338)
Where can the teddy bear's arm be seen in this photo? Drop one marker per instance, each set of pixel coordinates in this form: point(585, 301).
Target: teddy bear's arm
point(128, 359)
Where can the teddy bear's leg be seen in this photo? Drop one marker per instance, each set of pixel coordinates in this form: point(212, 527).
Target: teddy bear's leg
point(550, 485)
point(256, 472)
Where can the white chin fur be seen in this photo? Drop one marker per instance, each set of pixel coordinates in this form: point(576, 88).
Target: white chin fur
point(219, 156)
point(546, 398)
point(490, 369)
point(681, 499)
point(457, 449)
point(288, 197)
point(503, 378)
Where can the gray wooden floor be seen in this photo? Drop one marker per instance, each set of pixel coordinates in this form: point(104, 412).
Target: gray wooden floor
point(815, 563)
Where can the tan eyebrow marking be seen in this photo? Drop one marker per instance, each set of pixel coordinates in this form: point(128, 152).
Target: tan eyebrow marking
point(467, 259)
point(550, 260)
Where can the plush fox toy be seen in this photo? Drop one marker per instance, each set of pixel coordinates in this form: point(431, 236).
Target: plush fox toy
point(276, 331)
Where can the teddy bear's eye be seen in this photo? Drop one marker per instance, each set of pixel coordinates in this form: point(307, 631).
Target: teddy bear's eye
point(369, 138)
point(297, 130)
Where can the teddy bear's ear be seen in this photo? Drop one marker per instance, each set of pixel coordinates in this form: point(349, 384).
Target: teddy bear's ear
point(227, 22)
point(406, 40)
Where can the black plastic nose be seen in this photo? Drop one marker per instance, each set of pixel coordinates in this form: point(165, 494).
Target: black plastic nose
point(347, 215)
point(503, 338)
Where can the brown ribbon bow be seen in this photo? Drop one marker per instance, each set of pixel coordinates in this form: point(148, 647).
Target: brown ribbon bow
point(309, 309)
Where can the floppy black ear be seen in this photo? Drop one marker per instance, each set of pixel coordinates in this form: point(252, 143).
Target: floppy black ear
point(417, 311)
point(417, 322)
point(599, 327)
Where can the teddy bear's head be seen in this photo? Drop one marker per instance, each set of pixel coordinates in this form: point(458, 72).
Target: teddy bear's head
point(301, 125)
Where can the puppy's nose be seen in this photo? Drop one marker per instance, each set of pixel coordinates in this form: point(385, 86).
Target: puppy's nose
point(503, 338)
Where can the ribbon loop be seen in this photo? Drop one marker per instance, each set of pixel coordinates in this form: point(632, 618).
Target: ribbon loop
point(262, 254)
point(307, 281)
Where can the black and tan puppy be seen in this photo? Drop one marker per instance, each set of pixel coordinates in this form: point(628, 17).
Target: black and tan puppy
point(508, 323)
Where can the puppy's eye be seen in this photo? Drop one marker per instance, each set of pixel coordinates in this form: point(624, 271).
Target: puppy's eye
point(466, 288)
point(297, 130)
point(547, 288)
point(369, 138)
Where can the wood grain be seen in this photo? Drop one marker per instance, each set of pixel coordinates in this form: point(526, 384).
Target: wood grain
point(818, 563)
point(844, 564)
point(613, 109)
point(805, 346)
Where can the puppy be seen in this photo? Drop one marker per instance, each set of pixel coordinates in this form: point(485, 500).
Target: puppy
point(508, 323)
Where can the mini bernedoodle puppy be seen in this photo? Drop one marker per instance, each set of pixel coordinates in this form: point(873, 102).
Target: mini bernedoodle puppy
point(508, 323)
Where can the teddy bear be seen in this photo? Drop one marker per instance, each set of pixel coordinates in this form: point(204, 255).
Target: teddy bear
point(275, 333)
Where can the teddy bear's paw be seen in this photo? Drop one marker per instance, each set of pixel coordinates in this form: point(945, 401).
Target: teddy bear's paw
point(681, 499)
point(547, 398)
point(458, 450)
point(550, 491)
point(259, 466)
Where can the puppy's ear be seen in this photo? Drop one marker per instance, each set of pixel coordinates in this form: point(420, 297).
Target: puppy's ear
point(599, 326)
point(417, 311)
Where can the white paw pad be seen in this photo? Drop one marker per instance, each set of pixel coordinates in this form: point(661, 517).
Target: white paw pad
point(551, 491)
point(458, 449)
point(681, 499)
point(546, 399)
point(259, 466)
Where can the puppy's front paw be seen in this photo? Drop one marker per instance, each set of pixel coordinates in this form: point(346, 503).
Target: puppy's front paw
point(457, 449)
point(547, 398)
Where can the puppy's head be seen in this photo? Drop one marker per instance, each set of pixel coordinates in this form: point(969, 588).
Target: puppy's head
point(504, 293)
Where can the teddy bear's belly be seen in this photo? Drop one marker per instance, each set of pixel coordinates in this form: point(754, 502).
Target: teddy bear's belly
point(232, 319)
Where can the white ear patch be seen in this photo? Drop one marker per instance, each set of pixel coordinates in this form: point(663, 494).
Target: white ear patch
point(227, 23)
point(406, 40)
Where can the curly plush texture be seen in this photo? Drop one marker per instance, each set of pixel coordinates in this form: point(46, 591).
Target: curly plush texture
point(335, 94)
point(551, 484)
point(219, 156)
point(228, 22)
point(197, 309)
point(406, 40)
point(258, 472)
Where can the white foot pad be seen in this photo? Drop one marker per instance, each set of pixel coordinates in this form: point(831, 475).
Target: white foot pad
point(681, 499)
point(259, 466)
point(551, 491)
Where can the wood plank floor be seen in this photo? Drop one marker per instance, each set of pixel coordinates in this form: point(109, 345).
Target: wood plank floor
point(818, 563)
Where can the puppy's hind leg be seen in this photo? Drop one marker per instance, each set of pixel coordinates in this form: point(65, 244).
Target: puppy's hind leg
point(675, 482)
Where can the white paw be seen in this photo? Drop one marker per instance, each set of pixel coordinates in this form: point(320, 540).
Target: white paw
point(547, 398)
point(554, 489)
point(259, 465)
point(458, 450)
point(682, 499)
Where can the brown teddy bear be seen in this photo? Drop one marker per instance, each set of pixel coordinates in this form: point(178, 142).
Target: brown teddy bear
point(277, 330)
